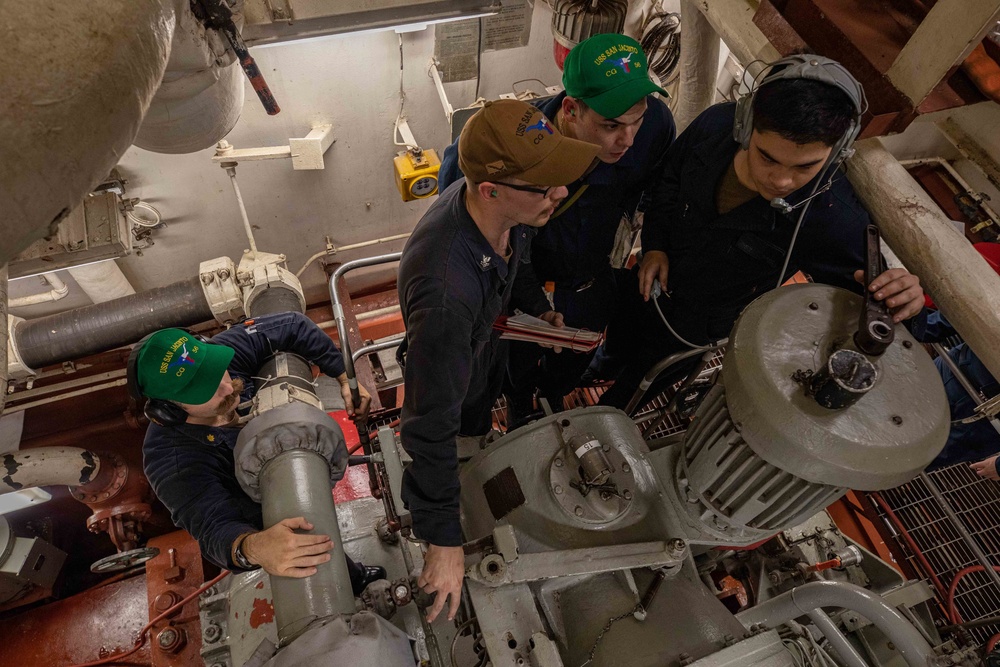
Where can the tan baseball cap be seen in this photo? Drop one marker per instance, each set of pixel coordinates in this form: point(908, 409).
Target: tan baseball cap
point(510, 138)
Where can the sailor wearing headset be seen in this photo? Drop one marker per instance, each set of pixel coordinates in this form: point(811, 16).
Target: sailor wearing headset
point(751, 193)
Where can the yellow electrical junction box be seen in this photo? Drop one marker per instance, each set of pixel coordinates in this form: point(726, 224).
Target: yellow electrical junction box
point(416, 173)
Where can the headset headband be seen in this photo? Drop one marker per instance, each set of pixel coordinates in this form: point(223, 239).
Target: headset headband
point(813, 68)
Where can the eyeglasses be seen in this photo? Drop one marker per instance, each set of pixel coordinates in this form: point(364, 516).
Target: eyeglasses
point(525, 188)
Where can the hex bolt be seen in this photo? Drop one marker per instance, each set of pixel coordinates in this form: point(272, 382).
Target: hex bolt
point(401, 591)
point(558, 462)
point(626, 467)
point(212, 633)
point(677, 544)
point(557, 488)
point(606, 447)
point(578, 511)
point(166, 637)
point(627, 495)
point(907, 344)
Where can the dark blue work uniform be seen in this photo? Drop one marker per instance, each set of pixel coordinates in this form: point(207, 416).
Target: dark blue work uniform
point(573, 249)
point(452, 288)
point(720, 263)
point(966, 442)
point(190, 466)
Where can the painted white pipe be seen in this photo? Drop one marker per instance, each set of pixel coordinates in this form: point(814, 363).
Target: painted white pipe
point(59, 291)
point(962, 284)
point(102, 281)
point(70, 110)
point(49, 466)
point(699, 65)
point(353, 246)
point(200, 97)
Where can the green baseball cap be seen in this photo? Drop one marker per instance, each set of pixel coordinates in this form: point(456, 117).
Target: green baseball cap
point(609, 73)
point(174, 365)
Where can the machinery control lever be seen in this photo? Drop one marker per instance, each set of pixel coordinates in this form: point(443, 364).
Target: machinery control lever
point(875, 328)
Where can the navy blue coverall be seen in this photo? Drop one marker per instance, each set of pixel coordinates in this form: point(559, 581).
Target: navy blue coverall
point(452, 288)
point(718, 264)
point(573, 249)
point(966, 442)
point(190, 466)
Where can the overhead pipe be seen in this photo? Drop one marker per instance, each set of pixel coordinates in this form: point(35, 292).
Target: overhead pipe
point(102, 281)
point(699, 65)
point(802, 600)
point(104, 326)
point(59, 291)
point(49, 466)
point(70, 112)
point(201, 95)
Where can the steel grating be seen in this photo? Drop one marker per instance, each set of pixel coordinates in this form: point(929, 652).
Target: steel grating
point(976, 501)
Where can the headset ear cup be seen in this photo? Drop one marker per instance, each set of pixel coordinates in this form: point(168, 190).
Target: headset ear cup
point(164, 413)
point(743, 122)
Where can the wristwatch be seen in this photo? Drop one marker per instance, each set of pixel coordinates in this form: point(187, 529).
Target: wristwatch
point(240, 558)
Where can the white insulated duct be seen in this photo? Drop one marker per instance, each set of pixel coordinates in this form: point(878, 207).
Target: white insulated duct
point(78, 77)
point(200, 97)
point(102, 281)
point(699, 65)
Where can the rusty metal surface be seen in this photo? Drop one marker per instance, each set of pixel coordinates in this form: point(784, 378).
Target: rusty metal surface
point(173, 575)
point(85, 627)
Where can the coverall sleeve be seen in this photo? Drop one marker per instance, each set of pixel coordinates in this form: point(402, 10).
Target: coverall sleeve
point(257, 340)
point(665, 192)
point(437, 374)
point(200, 503)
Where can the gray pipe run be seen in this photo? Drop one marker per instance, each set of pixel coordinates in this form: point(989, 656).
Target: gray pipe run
point(48, 466)
point(297, 483)
point(803, 600)
point(104, 326)
point(338, 307)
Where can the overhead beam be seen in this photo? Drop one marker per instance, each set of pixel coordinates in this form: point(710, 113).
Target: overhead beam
point(951, 29)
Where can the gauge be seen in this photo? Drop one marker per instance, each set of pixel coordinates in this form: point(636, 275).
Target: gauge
point(424, 187)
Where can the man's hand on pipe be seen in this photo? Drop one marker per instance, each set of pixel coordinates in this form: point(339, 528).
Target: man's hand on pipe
point(654, 268)
point(283, 552)
point(987, 469)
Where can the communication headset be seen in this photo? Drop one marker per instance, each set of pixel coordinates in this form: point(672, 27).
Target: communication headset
point(814, 68)
point(157, 410)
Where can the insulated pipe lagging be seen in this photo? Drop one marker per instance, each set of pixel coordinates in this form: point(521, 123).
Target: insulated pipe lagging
point(69, 111)
point(104, 326)
point(200, 97)
point(802, 600)
point(297, 483)
point(47, 466)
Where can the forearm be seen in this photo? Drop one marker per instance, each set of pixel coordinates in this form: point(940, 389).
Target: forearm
point(262, 337)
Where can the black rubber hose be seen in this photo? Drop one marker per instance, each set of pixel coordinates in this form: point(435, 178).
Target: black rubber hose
point(105, 326)
point(274, 300)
